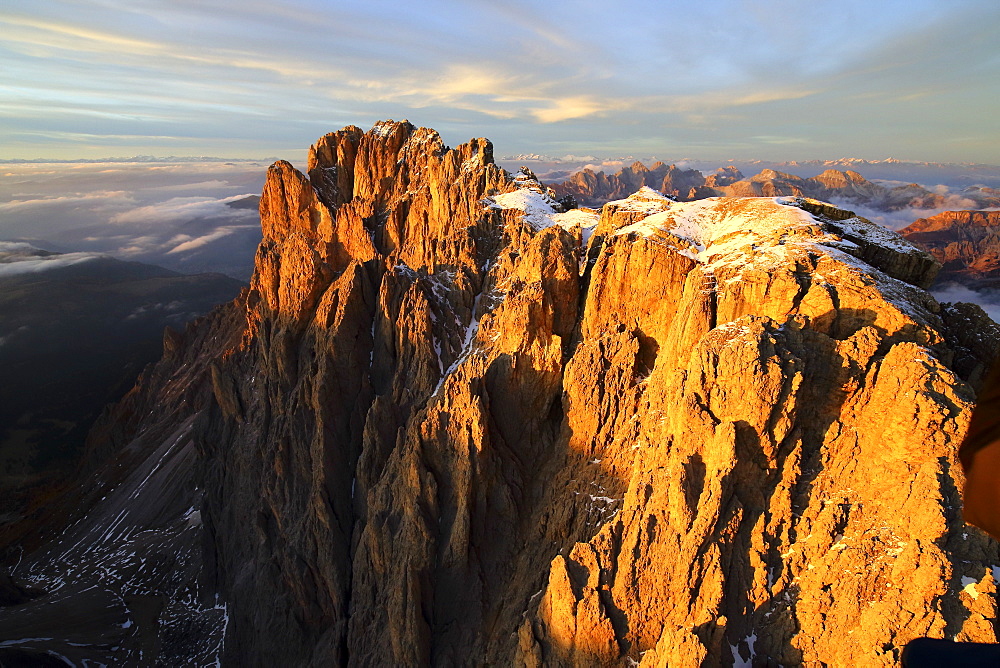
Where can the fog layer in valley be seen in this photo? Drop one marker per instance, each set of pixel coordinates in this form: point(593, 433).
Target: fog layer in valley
point(190, 217)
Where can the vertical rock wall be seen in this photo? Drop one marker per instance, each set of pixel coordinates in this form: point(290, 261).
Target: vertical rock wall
point(441, 442)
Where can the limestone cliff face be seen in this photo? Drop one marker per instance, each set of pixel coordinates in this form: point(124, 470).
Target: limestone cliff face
point(966, 243)
point(464, 426)
point(452, 423)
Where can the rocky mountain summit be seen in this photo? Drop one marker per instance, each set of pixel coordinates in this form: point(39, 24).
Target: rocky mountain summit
point(966, 243)
point(453, 422)
point(596, 188)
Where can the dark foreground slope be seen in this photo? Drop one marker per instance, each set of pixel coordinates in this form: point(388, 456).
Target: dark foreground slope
point(75, 331)
point(451, 424)
point(118, 560)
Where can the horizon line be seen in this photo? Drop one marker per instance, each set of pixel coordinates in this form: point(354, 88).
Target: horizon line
point(147, 158)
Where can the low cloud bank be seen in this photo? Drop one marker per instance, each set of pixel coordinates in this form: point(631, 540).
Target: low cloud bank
point(189, 244)
point(23, 258)
point(180, 216)
point(179, 209)
point(33, 204)
point(11, 247)
point(897, 220)
point(989, 300)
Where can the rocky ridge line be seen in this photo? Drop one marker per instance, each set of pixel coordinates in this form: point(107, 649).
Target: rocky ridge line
point(595, 188)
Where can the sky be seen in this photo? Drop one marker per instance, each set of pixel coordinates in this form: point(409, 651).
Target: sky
point(767, 79)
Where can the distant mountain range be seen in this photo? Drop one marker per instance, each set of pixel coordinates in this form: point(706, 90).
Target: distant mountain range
point(595, 188)
point(838, 162)
point(966, 243)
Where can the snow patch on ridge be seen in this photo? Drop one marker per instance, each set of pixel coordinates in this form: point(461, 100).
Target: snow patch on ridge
point(876, 234)
point(756, 231)
point(538, 207)
point(731, 236)
point(585, 218)
point(542, 211)
point(735, 221)
point(645, 200)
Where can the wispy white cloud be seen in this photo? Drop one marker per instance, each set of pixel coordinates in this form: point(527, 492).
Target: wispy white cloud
point(118, 198)
point(897, 220)
point(7, 247)
point(214, 185)
point(23, 329)
point(34, 34)
point(183, 208)
point(175, 215)
point(580, 76)
point(205, 239)
point(38, 264)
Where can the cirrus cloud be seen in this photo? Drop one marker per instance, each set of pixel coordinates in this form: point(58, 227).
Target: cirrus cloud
point(581, 77)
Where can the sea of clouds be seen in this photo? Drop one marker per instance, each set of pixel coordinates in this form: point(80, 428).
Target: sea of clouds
point(180, 216)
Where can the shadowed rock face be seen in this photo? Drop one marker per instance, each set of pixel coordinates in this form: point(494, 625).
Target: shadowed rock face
point(440, 440)
point(455, 424)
